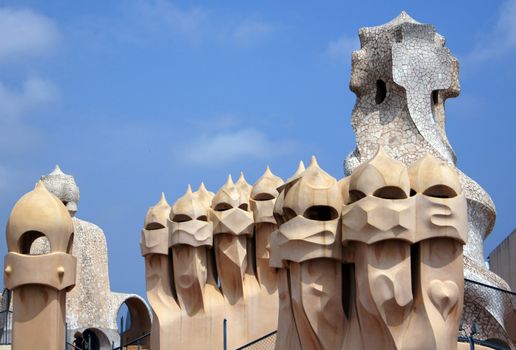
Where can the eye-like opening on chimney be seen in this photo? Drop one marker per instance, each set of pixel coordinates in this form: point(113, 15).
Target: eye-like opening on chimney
point(154, 226)
point(28, 238)
point(440, 191)
point(278, 218)
point(355, 195)
point(381, 91)
point(222, 206)
point(321, 213)
point(390, 192)
point(263, 197)
point(181, 218)
point(288, 214)
point(202, 218)
point(435, 97)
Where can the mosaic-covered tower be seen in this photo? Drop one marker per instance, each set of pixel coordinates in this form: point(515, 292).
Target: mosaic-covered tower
point(402, 76)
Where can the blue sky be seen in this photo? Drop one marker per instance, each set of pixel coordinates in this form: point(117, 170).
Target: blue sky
point(138, 97)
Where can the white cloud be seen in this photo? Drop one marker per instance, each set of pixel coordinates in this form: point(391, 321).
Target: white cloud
point(250, 31)
point(502, 39)
point(228, 146)
point(162, 13)
point(34, 92)
point(140, 21)
point(15, 104)
point(343, 46)
point(25, 33)
point(194, 23)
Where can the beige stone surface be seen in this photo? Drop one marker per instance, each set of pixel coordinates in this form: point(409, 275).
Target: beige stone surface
point(207, 263)
point(308, 244)
point(393, 278)
point(263, 198)
point(39, 301)
point(91, 304)
point(312, 204)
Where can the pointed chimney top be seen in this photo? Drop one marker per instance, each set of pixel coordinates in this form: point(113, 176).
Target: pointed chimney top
point(57, 171)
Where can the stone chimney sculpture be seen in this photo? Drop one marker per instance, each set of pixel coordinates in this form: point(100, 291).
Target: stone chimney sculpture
point(154, 244)
point(263, 197)
point(91, 306)
point(374, 259)
point(288, 334)
point(39, 282)
point(407, 253)
point(309, 244)
point(232, 229)
point(200, 267)
point(180, 288)
point(402, 76)
point(379, 225)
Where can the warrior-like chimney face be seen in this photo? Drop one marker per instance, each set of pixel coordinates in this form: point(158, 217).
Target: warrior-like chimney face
point(189, 222)
point(230, 212)
point(275, 239)
point(439, 200)
point(311, 211)
point(154, 237)
point(381, 177)
point(380, 207)
point(263, 197)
